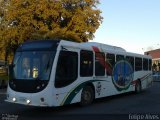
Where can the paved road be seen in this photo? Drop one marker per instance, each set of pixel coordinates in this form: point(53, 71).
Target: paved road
point(126, 106)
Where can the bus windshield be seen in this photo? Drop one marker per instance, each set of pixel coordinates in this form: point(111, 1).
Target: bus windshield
point(32, 65)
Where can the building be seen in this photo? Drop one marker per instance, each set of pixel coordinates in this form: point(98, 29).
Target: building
point(155, 59)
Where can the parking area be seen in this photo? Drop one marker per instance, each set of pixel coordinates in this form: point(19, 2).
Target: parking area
point(156, 76)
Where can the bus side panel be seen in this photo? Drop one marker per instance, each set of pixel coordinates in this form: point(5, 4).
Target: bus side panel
point(107, 88)
point(77, 98)
point(145, 77)
point(104, 88)
point(147, 80)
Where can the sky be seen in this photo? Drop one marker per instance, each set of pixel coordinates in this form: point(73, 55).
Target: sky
point(131, 24)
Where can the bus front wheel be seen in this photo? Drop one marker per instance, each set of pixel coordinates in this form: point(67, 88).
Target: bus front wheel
point(87, 96)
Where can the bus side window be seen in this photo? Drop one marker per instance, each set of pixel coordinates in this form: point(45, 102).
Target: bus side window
point(130, 59)
point(110, 59)
point(138, 64)
point(145, 64)
point(67, 68)
point(99, 64)
point(86, 63)
point(119, 57)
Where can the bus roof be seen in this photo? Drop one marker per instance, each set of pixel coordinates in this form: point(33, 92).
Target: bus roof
point(52, 44)
point(39, 45)
point(102, 47)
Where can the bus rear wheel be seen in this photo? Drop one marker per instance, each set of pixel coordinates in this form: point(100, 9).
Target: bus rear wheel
point(138, 87)
point(87, 96)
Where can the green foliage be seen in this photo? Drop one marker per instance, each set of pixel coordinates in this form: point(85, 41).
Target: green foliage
point(22, 20)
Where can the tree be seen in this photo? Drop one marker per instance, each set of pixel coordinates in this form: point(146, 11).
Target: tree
point(158, 66)
point(22, 20)
point(154, 67)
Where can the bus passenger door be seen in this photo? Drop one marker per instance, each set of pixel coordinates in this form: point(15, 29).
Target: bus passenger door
point(66, 72)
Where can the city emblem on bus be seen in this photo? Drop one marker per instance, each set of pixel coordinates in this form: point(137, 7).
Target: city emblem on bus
point(122, 75)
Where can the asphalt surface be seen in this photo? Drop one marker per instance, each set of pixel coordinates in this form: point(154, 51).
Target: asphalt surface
point(143, 106)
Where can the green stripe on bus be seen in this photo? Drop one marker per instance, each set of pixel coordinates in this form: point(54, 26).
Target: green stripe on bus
point(69, 97)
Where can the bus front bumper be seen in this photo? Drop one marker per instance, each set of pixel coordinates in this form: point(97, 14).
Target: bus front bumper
point(25, 101)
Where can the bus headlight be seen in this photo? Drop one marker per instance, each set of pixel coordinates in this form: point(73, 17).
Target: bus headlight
point(28, 101)
point(14, 99)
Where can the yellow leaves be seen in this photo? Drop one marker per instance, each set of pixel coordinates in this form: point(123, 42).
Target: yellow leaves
point(74, 20)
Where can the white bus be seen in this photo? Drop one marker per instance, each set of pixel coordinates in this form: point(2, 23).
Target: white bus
point(58, 72)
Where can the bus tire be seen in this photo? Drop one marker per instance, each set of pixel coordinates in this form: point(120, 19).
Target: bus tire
point(87, 96)
point(138, 87)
